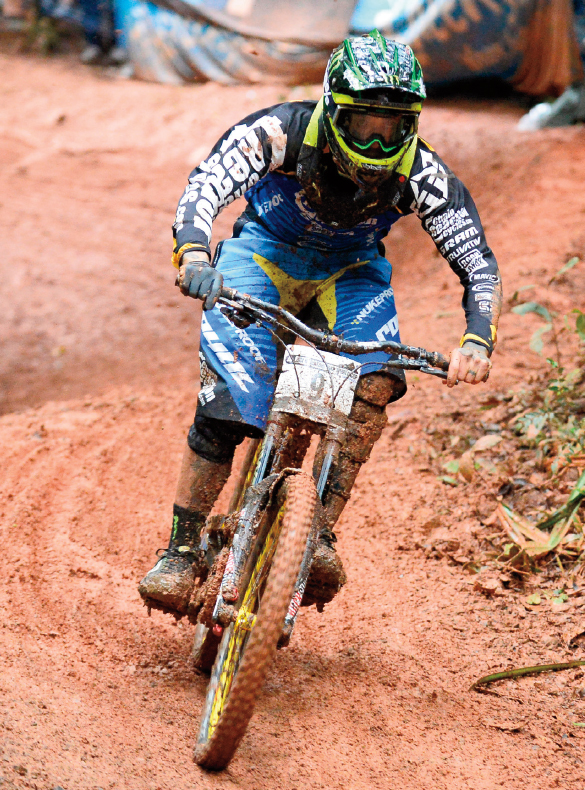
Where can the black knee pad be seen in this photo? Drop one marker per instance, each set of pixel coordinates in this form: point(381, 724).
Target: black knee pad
point(381, 388)
point(215, 440)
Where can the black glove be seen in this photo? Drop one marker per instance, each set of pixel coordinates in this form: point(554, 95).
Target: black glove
point(201, 281)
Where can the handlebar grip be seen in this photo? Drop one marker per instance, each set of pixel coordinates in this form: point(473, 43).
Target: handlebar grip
point(439, 361)
point(435, 359)
point(229, 293)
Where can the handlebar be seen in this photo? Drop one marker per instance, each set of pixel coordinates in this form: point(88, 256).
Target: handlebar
point(408, 357)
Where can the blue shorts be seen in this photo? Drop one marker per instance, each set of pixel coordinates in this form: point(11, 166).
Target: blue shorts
point(347, 293)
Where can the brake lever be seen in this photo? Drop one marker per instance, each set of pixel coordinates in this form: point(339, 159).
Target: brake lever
point(419, 365)
point(241, 318)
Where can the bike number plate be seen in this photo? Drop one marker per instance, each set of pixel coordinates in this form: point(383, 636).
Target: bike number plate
point(318, 377)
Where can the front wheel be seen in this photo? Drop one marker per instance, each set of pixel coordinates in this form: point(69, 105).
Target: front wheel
point(248, 645)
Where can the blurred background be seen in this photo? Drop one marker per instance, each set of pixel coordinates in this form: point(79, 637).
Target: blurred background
point(536, 46)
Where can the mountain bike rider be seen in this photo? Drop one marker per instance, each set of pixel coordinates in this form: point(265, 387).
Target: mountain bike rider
point(325, 181)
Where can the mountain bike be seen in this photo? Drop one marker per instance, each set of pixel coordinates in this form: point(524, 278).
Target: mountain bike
point(258, 557)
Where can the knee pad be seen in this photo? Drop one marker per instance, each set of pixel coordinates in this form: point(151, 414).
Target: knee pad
point(215, 440)
point(365, 425)
point(367, 418)
point(380, 389)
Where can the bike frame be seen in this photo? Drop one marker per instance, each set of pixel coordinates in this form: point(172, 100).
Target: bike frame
point(294, 418)
point(314, 395)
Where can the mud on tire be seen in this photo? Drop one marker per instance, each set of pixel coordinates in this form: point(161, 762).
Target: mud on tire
point(220, 735)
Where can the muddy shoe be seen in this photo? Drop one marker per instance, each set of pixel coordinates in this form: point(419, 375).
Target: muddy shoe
point(327, 576)
point(168, 586)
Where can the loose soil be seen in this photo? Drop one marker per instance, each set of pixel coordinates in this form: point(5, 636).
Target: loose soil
point(98, 382)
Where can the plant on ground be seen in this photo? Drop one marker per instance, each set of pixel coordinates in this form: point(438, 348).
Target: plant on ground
point(550, 421)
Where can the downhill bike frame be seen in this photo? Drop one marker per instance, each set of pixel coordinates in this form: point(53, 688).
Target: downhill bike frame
point(314, 395)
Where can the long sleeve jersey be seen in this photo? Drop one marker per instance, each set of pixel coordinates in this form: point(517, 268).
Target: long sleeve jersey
point(262, 157)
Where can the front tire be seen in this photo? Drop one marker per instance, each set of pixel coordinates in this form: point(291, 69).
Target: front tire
point(249, 644)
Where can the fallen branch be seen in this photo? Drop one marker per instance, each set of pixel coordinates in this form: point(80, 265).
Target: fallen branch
point(516, 673)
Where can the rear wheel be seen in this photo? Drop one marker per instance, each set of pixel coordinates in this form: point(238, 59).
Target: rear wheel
point(248, 645)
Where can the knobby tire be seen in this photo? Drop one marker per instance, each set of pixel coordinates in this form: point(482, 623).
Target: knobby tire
point(215, 751)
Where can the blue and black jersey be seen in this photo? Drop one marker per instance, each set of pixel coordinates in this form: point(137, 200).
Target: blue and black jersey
point(278, 158)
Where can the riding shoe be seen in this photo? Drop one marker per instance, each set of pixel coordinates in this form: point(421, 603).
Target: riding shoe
point(169, 585)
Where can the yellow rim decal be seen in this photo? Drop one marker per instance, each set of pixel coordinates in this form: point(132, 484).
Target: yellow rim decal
point(405, 165)
point(245, 621)
point(249, 477)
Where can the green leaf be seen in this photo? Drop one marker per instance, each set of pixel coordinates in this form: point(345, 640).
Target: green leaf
point(536, 341)
point(533, 307)
point(451, 466)
point(568, 265)
point(580, 326)
point(533, 600)
point(519, 291)
point(450, 481)
point(486, 465)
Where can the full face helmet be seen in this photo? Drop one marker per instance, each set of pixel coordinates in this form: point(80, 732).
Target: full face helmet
point(373, 95)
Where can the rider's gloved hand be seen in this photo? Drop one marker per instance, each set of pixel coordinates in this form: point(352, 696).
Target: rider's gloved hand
point(197, 278)
point(470, 363)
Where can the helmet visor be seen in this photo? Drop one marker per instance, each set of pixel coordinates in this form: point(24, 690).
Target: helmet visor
point(375, 134)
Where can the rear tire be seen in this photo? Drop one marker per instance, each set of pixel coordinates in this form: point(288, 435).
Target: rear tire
point(248, 645)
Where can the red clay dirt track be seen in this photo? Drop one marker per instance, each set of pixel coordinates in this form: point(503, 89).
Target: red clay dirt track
point(98, 381)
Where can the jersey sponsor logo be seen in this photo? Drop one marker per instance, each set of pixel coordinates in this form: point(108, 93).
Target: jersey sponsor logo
point(251, 145)
point(457, 239)
point(227, 174)
point(472, 262)
point(372, 304)
point(494, 278)
point(479, 297)
point(267, 205)
point(429, 186)
point(447, 223)
point(469, 245)
point(229, 364)
point(389, 328)
point(487, 286)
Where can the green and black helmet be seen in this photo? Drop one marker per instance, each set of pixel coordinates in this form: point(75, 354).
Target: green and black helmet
point(373, 94)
